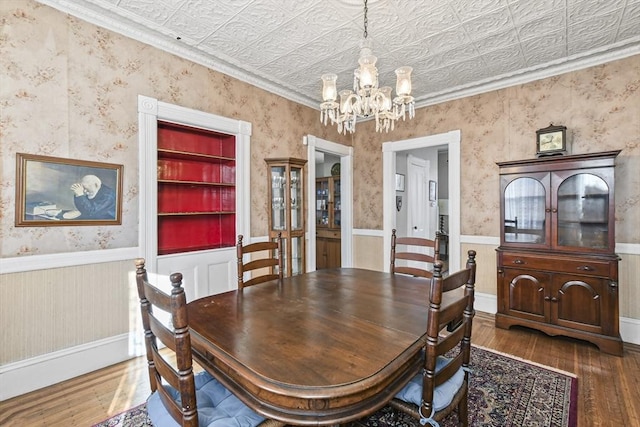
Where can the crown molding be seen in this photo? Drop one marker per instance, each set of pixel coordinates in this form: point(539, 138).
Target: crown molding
point(573, 63)
point(104, 16)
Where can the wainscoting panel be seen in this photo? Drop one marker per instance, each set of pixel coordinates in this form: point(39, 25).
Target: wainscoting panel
point(50, 310)
point(368, 251)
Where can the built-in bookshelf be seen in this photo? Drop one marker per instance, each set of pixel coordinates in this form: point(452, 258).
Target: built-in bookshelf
point(196, 189)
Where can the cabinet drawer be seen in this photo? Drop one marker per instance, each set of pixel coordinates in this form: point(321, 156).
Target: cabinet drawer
point(556, 264)
point(328, 234)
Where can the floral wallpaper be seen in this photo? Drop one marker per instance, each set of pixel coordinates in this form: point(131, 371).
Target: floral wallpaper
point(599, 106)
point(69, 89)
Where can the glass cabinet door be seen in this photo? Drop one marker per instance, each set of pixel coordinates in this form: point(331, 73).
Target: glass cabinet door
point(296, 199)
point(336, 203)
point(525, 211)
point(322, 202)
point(278, 185)
point(297, 258)
point(583, 212)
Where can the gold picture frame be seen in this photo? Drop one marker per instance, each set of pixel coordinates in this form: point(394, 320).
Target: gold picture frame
point(551, 141)
point(53, 191)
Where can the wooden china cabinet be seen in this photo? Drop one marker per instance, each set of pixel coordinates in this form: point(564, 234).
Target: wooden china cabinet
point(286, 210)
point(557, 270)
point(328, 215)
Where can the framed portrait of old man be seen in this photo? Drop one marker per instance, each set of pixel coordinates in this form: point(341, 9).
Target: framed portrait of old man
point(53, 191)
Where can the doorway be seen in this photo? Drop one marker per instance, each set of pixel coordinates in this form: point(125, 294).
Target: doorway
point(418, 214)
point(450, 142)
point(315, 147)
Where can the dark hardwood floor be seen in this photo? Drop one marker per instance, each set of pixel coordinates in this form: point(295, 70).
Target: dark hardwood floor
point(609, 386)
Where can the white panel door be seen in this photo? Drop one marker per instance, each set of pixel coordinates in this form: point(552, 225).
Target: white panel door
point(417, 197)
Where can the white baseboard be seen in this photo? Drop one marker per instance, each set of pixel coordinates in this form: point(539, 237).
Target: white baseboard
point(486, 303)
point(42, 371)
point(629, 328)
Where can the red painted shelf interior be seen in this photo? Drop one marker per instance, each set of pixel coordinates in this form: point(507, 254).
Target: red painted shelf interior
point(177, 234)
point(179, 198)
point(196, 189)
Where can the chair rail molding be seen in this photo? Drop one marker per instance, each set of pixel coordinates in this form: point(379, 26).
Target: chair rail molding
point(66, 259)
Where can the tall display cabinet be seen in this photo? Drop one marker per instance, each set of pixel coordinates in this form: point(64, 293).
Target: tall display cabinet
point(286, 210)
point(328, 216)
point(557, 270)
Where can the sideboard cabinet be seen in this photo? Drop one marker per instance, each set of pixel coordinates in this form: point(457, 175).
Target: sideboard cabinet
point(557, 270)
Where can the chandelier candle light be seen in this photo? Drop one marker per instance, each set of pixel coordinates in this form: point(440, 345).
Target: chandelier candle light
point(366, 99)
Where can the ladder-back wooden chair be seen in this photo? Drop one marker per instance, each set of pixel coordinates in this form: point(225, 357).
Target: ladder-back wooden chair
point(443, 385)
point(269, 265)
point(180, 398)
point(424, 251)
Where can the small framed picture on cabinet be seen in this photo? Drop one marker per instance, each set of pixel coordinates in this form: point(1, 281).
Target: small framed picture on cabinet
point(551, 141)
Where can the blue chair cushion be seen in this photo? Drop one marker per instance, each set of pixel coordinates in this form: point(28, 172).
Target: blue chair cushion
point(217, 406)
point(443, 394)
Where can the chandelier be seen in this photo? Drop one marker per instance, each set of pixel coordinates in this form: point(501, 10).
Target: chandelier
point(366, 99)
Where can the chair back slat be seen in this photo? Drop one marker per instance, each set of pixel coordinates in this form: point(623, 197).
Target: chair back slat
point(261, 279)
point(447, 372)
point(261, 263)
point(267, 267)
point(161, 332)
point(452, 312)
point(258, 247)
point(412, 256)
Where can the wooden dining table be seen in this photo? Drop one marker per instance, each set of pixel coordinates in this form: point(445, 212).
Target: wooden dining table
point(320, 348)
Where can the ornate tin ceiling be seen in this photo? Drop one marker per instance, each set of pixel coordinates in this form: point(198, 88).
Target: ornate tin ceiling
point(456, 47)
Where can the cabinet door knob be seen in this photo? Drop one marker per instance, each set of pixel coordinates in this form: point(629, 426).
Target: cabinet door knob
point(518, 261)
point(585, 268)
point(547, 298)
point(554, 299)
point(554, 210)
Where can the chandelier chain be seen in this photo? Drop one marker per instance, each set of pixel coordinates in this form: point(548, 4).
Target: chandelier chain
point(366, 20)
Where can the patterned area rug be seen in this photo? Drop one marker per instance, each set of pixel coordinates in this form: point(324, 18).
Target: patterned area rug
point(504, 392)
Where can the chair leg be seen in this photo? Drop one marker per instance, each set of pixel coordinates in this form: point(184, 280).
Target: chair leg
point(463, 414)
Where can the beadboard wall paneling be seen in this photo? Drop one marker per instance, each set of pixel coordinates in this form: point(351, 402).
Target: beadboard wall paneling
point(367, 252)
point(49, 310)
point(486, 273)
point(629, 284)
